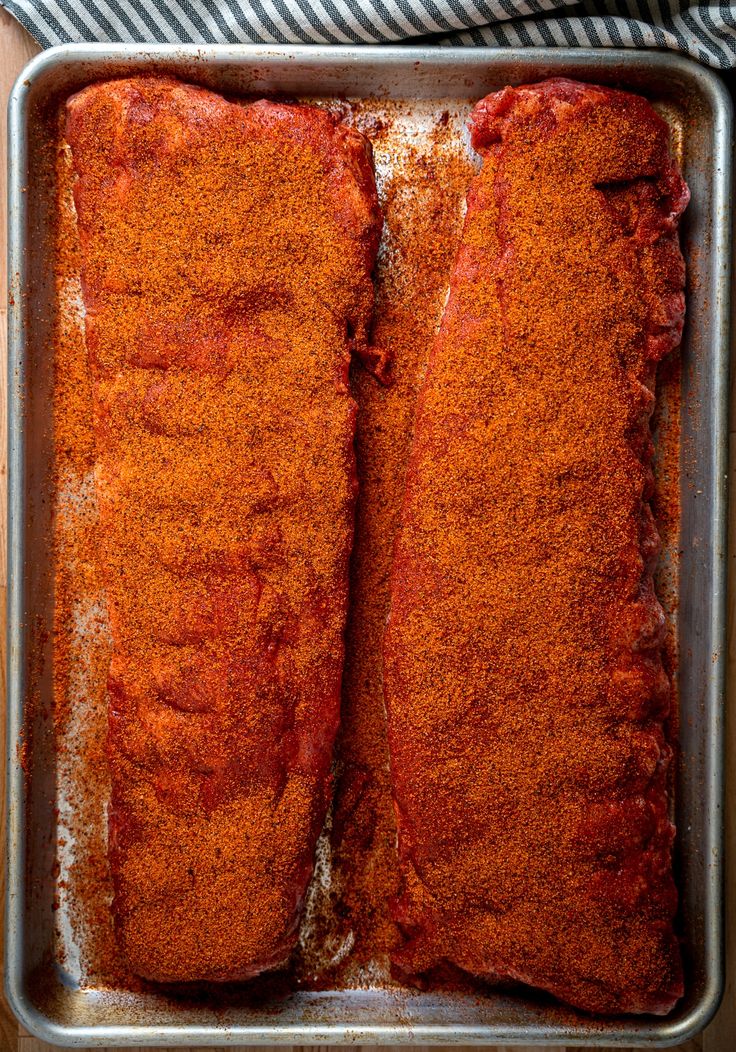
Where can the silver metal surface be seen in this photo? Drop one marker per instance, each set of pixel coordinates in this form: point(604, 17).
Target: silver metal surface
point(40, 992)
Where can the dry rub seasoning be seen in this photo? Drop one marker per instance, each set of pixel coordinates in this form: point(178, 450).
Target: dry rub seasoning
point(421, 200)
point(226, 257)
point(526, 692)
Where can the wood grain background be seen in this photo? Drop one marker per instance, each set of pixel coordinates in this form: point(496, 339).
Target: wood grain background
point(16, 48)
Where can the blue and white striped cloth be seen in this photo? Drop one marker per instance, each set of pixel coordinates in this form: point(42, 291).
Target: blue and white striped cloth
point(703, 29)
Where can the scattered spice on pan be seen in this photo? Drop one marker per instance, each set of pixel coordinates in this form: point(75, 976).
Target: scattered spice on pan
point(666, 428)
point(422, 199)
point(81, 654)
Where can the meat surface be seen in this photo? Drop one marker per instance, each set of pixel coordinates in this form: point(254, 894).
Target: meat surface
point(227, 252)
point(528, 703)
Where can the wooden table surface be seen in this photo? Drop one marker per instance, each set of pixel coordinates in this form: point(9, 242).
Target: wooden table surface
point(16, 48)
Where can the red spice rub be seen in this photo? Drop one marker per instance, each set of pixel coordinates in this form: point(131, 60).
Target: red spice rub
point(525, 688)
point(226, 260)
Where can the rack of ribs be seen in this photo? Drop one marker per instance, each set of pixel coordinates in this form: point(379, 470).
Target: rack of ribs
point(528, 703)
point(227, 252)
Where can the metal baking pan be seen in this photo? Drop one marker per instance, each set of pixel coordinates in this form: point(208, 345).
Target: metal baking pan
point(46, 997)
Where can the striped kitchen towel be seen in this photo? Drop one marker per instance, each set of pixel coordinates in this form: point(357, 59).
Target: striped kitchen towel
point(704, 29)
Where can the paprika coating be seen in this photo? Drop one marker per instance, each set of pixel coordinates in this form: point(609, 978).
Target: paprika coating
point(227, 252)
point(528, 705)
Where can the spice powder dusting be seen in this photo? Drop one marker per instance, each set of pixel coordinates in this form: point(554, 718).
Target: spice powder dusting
point(528, 703)
point(423, 170)
point(226, 255)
